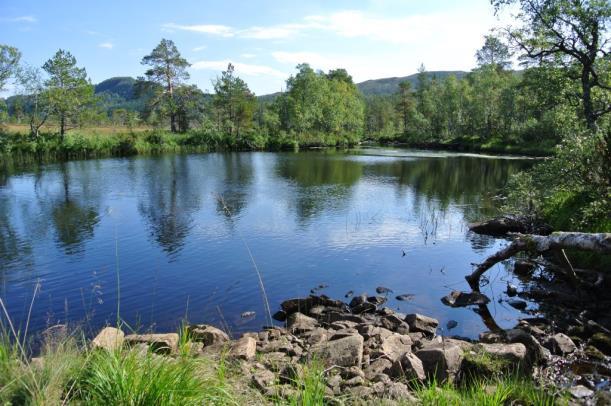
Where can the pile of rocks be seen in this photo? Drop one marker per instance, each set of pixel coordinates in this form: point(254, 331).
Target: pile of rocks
point(367, 350)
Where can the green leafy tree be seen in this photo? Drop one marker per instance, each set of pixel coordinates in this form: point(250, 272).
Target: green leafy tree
point(574, 34)
point(34, 91)
point(69, 93)
point(168, 69)
point(9, 62)
point(235, 104)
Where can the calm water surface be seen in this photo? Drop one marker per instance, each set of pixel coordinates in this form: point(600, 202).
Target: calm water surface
point(154, 232)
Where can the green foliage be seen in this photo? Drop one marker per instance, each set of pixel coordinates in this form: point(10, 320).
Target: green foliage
point(321, 106)
point(9, 61)
point(489, 392)
point(131, 378)
point(570, 190)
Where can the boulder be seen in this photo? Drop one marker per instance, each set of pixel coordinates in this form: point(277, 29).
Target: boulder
point(209, 335)
point(245, 348)
point(395, 345)
point(399, 391)
point(424, 324)
point(263, 379)
point(377, 367)
point(514, 353)
point(441, 362)
point(408, 366)
point(109, 338)
point(299, 323)
point(345, 352)
point(461, 299)
point(315, 336)
point(536, 352)
point(394, 323)
point(304, 305)
point(560, 344)
point(157, 343)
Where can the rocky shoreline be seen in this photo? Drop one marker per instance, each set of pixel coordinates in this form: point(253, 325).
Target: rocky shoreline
point(370, 351)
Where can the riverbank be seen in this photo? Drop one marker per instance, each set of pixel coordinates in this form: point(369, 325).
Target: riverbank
point(474, 144)
point(326, 352)
point(100, 143)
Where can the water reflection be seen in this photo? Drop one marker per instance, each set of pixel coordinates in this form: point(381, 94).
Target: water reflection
point(171, 196)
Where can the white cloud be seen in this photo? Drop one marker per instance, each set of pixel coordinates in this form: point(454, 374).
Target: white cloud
point(106, 45)
point(214, 29)
point(21, 19)
point(199, 48)
point(248, 56)
point(316, 60)
point(241, 68)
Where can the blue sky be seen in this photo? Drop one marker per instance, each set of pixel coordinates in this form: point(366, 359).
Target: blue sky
point(265, 39)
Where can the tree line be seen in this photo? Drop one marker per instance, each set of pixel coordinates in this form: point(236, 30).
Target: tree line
point(563, 85)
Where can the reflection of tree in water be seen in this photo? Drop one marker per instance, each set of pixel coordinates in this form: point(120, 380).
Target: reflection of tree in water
point(321, 181)
point(170, 200)
point(236, 180)
point(74, 222)
point(13, 246)
point(466, 181)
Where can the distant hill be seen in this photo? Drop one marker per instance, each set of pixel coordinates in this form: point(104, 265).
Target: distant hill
point(122, 86)
point(388, 86)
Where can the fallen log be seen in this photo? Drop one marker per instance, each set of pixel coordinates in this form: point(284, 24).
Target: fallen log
point(539, 244)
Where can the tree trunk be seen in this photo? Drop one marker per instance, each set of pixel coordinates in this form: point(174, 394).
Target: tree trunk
point(595, 242)
point(586, 88)
point(62, 126)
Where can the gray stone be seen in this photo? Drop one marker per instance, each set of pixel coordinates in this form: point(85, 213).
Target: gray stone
point(560, 344)
point(345, 352)
point(462, 299)
point(110, 339)
point(399, 391)
point(245, 348)
point(379, 366)
point(355, 381)
point(395, 345)
point(157, 343)
point(409, 366)
point(316, 336)
point(263, 379)
point(515, 353)
point(424, 324)
point(208, 335)
point(441, 362)
point(536, 352)
point(299, 323)
point(580, 392)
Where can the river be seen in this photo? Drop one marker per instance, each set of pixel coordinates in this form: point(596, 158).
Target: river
point(169, 237)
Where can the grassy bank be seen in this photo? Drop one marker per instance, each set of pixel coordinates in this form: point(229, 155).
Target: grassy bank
point(68, 371)
point(475, 144)
point(96, 143)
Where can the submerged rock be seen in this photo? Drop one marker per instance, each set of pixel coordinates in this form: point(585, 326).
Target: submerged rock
point(504, 225)
point(461, 299)
point(405, 297)
point(517, 304)
point(381, 290)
